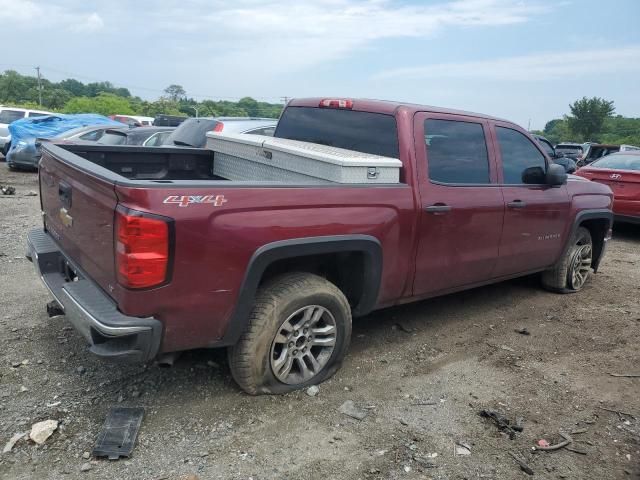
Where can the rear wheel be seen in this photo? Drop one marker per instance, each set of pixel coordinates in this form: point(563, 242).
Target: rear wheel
point(574, 268)
point(298, 335)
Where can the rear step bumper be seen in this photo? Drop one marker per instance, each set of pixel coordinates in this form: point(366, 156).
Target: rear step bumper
point(111, 334)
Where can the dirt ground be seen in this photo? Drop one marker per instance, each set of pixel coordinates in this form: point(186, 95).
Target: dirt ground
point(459, 353)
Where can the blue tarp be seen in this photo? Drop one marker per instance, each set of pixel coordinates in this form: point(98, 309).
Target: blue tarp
point(25, 131)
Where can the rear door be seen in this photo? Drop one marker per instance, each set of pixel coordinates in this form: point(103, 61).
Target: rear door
point(536, 214)
point(78, 211)
point(462, 207)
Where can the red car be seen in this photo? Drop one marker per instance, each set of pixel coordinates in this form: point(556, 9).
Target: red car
point(621, 172)
point(157, 250)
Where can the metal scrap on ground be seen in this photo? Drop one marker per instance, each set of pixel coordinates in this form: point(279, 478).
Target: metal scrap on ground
point(118, 435)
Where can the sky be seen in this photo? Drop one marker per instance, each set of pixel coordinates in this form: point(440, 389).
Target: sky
point(522, 60)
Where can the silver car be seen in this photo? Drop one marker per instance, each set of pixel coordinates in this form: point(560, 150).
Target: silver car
point(192, 132)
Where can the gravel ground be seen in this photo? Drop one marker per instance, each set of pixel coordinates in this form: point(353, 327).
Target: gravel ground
point(456, 355)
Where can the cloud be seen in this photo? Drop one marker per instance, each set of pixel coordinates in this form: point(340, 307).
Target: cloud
point(535, 68)
point(91, 23)
point(29, 14)
point(290, 35)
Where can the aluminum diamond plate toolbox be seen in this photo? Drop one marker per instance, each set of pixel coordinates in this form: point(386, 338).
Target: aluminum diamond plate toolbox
point(258, 157)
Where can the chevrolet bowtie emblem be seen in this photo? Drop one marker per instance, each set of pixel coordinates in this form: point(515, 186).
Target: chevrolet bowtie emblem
point(65, 218)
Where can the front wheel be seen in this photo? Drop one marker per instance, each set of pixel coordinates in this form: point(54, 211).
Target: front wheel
point(298, 334)
point(574, 268)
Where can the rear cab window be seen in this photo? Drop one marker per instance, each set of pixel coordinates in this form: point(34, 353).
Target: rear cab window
point(366, 132)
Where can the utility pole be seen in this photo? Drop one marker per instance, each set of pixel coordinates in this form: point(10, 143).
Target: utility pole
point(284, 99)
point(39, 87)
point(529, 126)
point(196, 109)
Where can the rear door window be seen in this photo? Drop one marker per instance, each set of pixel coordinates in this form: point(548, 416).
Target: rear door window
point(518, 153)
point(8, 116)
point(456, 152)
point(365, 132)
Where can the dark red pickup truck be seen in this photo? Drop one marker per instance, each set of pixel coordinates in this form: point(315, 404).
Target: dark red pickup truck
point(148, 251)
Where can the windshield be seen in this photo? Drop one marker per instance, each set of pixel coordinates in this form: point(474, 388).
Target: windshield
point(365, 132)
point(8, 116)
point(620, 162)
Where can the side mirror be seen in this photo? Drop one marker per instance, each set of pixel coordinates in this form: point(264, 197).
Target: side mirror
point(533, 176)
point(556, 175)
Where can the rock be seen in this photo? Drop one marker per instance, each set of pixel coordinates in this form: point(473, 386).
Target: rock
point(81, 369)
point(42, 430)
point(86, 455)
point(313, 390)
point(23, 389)
point(12, 441)
point(462, 449)
point(85, 467)
point(348, 408)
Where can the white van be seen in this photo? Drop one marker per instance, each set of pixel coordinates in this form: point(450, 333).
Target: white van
point(11, 114)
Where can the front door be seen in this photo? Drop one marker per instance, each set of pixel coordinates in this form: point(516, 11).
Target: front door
point(536, 214)
point(461, 203)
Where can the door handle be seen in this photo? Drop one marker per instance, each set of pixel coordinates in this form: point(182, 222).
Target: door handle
point(516, 204)
point(438, 208)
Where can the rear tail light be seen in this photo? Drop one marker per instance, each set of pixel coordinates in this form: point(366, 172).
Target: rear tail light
point(336, 103)
point(218, 128)
point(142, 249)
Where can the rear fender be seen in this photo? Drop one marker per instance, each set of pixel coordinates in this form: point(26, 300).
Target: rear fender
point(299, 247)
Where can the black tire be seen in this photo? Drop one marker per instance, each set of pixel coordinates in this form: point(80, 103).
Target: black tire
point(252, 357)
point(561, 278)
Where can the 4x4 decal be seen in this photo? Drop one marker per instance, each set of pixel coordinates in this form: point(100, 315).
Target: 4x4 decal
point(186, 200)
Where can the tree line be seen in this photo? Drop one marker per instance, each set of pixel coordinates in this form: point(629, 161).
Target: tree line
point(74, 96)
point(590, 119)
point(593, 120)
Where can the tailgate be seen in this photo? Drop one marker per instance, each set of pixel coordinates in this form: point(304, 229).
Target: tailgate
point(78, 211)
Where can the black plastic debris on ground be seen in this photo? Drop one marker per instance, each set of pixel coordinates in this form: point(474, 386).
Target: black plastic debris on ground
point(118, 435)
point(503, 423)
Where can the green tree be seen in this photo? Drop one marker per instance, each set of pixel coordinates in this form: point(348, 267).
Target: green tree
point(588, 116)
point(175, 92)
point(73, 86)
point(557, 131)
point(55, 98)
point(103, 103)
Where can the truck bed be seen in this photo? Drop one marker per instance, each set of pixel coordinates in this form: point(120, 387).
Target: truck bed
point(140, 163)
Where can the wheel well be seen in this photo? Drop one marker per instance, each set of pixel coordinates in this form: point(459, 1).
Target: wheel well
point(598, 228)
point(344, 269)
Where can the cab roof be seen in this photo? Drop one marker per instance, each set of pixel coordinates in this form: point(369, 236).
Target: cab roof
point(388, 107)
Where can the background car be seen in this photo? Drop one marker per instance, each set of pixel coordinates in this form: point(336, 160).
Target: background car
point(133, 120)
point(192, 132)
point(168, 120)
point(595, 151)
point(567, 162)
point(133, 136)
point(11, 114)
point(26, 132)
point(621, 171)
point(574, 151)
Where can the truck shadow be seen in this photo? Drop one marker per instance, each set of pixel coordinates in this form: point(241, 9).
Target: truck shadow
point(627, 232)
